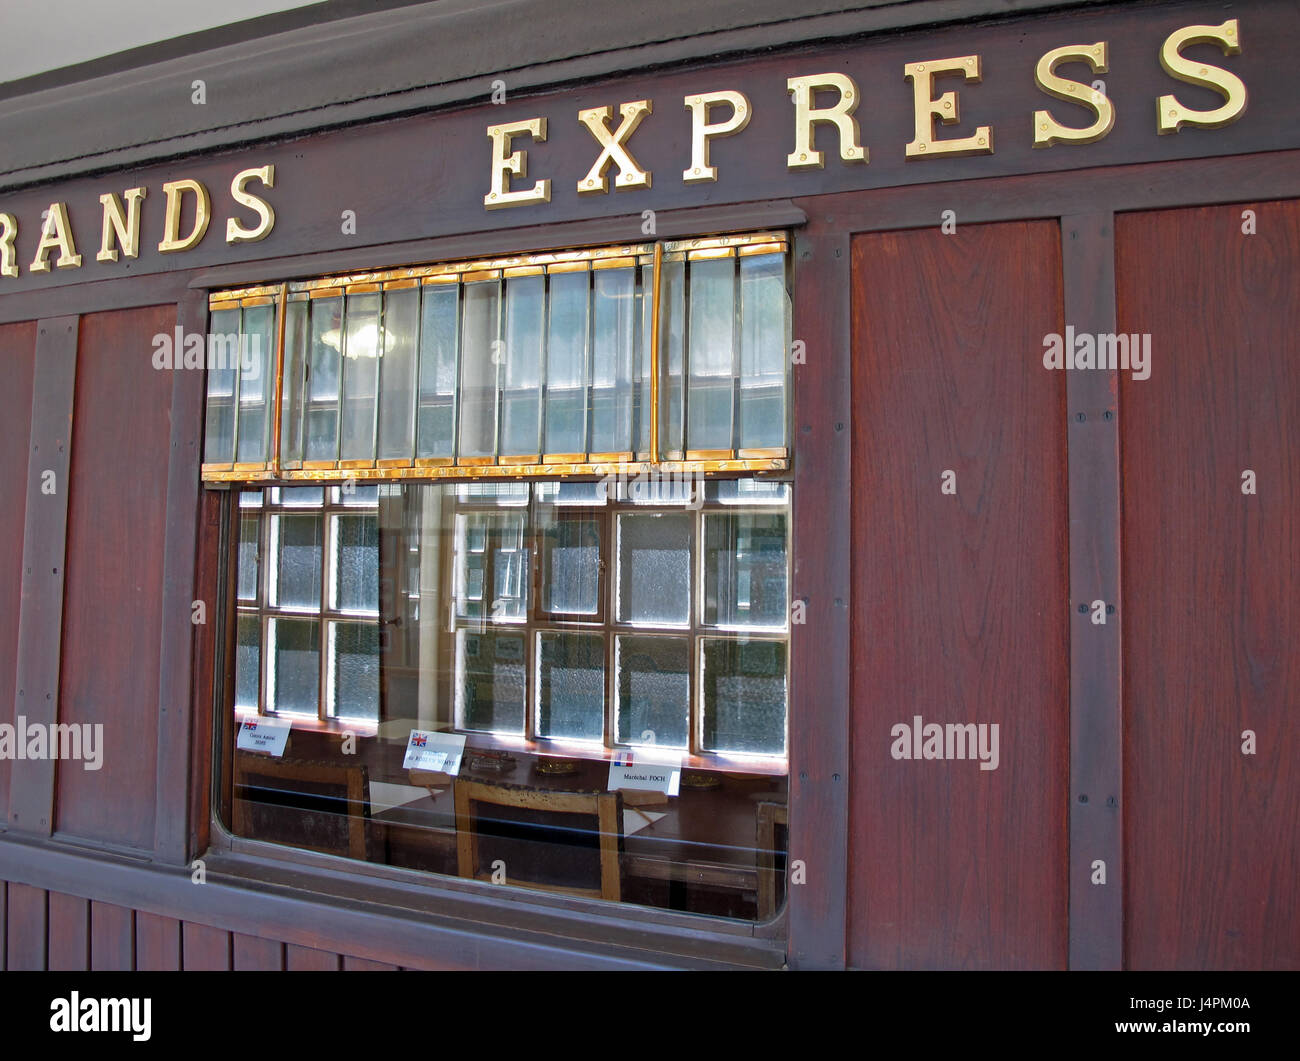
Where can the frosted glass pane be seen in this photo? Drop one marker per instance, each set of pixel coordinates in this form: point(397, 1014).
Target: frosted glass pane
point(294, 681)
point(478, 370)
point(356, 570)
point(521, 403)
point(713, 304)
point(439, 341)
point(613, 356)
point(295, 366)
point(360, 377)
point(654, 568)
point(248, 657)
point(745, 569)
point(296, 545)
point(653, 690)
point(672, 325)
point(571, 686)
point(571, 566)
point(248, 528)
point(354, 670)
point(322, 384)
point(566, 363)
point(490, 681)
point(256, 364)
point(397, 374)
point(492, 567)
point(298, 496)
point(744, 696)
point(763, 330)
point(219, 432)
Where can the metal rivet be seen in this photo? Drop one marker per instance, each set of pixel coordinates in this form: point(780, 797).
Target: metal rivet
point(1111, 801)
point(1083, 608)
point(1108, 415)
point(1110, 609)
point(1081, 417)
point(1083, 798)
point(839, 426)
point(835, 777)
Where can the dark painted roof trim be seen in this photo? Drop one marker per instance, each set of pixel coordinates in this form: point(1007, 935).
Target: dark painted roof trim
point(378, 66)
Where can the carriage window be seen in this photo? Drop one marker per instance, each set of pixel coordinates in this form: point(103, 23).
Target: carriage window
point(573, 679)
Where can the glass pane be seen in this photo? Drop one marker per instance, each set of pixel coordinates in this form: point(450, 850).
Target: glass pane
point(360, 377)
point(439, 339)
point(763, 343)
point(490, 685)
point(354, 670)
point(323, 379)
point(713, 306)
point(672, 326)
point(250, 498)
point(354, 493)
point(654, 568)
point(248, 657)
point(521, 404)
point(745, 569)
point(744, 696)
point(480, 335)
point(746, 492)
point(571, 686)
point(613, 356)
point(566, 363)
point(248, 529)
point(641, 409)
point(295, 577)
point(355, 571)
point(256, 362)
point(570, 583)
point(219, 434)
point(293, 683)
point(397, 374)
point(492, 569)
point(298, 496)
point(653, 690)
point(295, 364)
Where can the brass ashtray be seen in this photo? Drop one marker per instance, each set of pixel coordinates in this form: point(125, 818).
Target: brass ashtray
point(491, 763)
point(700, 781)
point(557, 767)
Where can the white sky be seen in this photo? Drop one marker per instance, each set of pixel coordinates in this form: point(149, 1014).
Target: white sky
point(40, 35)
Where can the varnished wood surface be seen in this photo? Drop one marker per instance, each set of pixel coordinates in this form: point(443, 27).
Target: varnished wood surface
point(1212, 588)
point(113, 599)
point(157, 942)
point(17, 352)
point(959, 600)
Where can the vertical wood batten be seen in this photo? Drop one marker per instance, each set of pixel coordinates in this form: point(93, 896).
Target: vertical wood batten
point(171, 830)
point(1096, 749)
point(819, 647)
point(40, 623)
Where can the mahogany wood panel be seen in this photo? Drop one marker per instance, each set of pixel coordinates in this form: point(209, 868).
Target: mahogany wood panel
point(4, 896)
point(959, 606)
point(366, 965)
point(115, 553)
point(69, 928)
point(819, 679)
point(1096, 769)
point(112, 937)
point(31, 782)
point(17, 353)
point(303, 959)
point(26, 919)
point(1212, 588)
point(254, 952)
point(157, 942)
point(205, 948)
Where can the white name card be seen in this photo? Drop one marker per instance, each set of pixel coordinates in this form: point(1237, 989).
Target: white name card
point(437, 752)
point(644, 773)
point(263, 734)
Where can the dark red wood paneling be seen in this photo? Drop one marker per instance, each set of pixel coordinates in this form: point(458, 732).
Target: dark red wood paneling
point(302, 959)
point(157, 942)
point(112, 936)
point(69, 940)
point(206, 948)
point(4, 949)
point(253, 952)
point(1212, 588)
point(366, 965)
point(26, 918)
point(959, 601)
point(112, 607)
point(17, 351)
